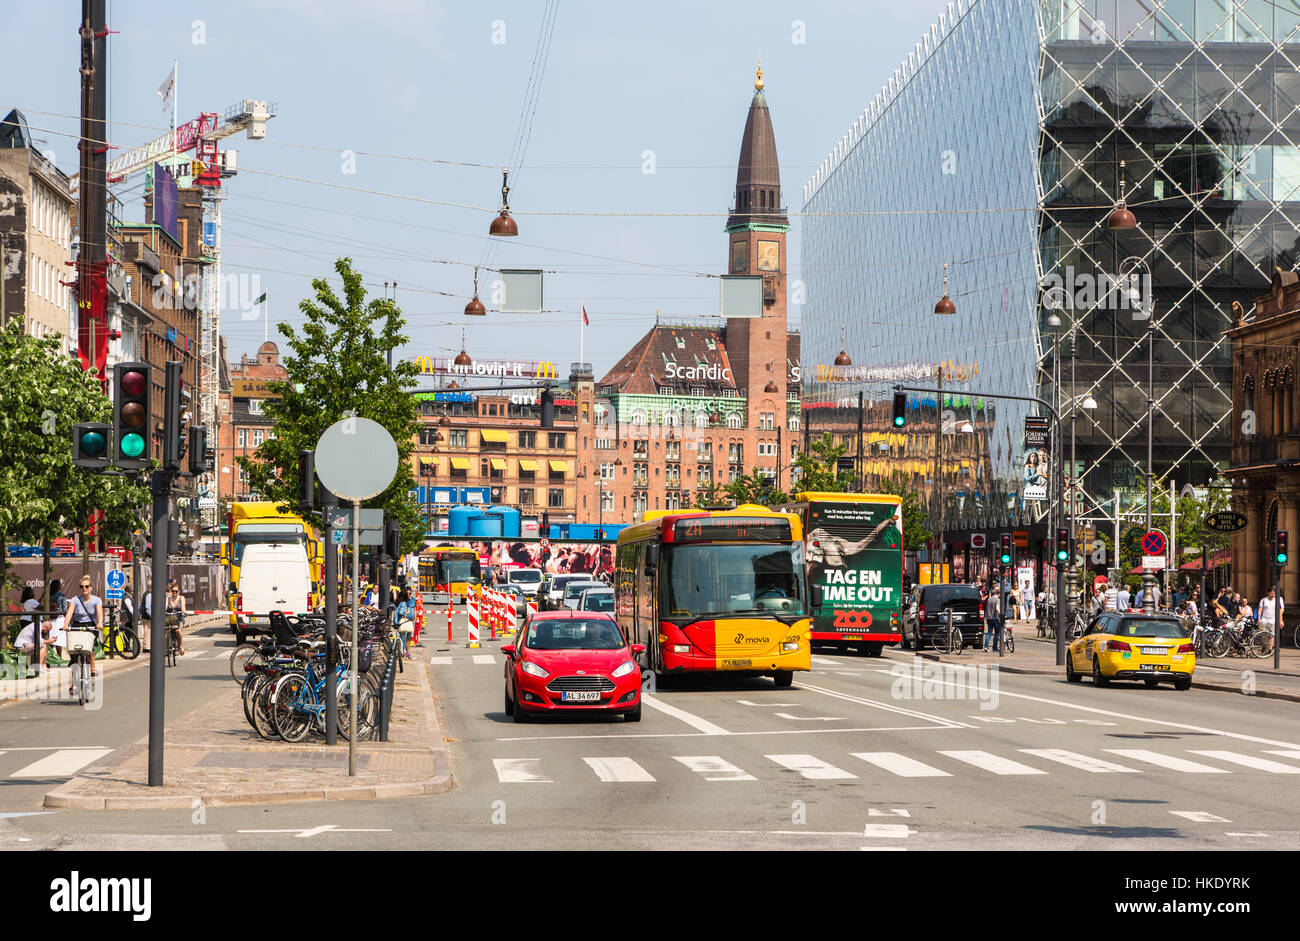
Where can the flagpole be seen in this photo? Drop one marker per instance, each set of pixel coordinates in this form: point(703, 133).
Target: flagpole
point(266, 311)
point(582, 334)
point(176, 94)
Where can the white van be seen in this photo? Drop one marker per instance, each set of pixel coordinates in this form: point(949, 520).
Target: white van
point(527, 579)
point(272, 577)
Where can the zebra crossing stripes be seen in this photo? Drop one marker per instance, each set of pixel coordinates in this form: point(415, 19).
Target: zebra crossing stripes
point(991, 762)
point(520, 771)
point(900, 765)
point(1172, 762)
point(812, 768)
point(62, 763)
point(714, 768)
point(1249, 761)
point(618, 769)
point(1075, 760)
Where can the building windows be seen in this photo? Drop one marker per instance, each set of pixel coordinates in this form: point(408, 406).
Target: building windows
point(607, 501)
point(640, 474)
point(735, 453)
point(497, 473)
point(255, 406)
point(258, 437)
point(458, 438)
point(604, 444)
point(640, 500)
point(528, 439)
point(526, 496)
point(556, 440)
point(673, 475)
point(607, 470)
point(483, 467)
point(734, 420)
point(639, 417)
point(554, 474)
point(704, 475)
point(767, 449)
point(766, 421)
point(460, 473)
point(641, 449)
point(241, 437)
point(792, 423)
point(672, 451)
point(555, 497)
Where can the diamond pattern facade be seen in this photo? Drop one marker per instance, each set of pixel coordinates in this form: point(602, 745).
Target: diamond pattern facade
point(1037, 104)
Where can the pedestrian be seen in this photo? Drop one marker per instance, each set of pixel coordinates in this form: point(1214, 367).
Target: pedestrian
point(1123, 599)
point(86, 613)
point(26, 642)
point(404, 618)
point(58, 600)
point(1013, 603)
point(1112, 598)
point(1269, 614)
point(993, 621)
point(175, 608)
point(146, 616)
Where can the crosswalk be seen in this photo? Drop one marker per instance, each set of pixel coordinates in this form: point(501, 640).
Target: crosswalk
point(57, 763)
point(622, 769)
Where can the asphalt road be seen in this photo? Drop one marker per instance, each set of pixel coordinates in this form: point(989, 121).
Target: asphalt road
point(853, 756)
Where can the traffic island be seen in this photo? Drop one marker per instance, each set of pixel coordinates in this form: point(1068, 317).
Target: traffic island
point(213, 758)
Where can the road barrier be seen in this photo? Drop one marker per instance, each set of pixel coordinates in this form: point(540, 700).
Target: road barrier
point(471, 607)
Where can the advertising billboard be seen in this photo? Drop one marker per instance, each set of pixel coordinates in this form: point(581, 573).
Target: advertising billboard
point(855, 561)
point(166, 201)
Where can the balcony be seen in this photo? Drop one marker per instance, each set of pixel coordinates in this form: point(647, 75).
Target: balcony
point(640, 481)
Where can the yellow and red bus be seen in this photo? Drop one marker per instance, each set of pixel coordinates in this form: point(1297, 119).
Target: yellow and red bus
point(854, 552)
point(716, 591)
point(449, 570)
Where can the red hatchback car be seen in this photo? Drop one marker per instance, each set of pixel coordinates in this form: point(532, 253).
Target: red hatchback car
point(572, 661)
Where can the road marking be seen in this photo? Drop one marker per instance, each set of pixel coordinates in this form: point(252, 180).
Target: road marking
point(824, 662)
point(1200, 816)
point(1075, 760)
point(29, 813)
point(991, 762)
point(63, 763)
point(315, 831)
point(618, 769)
point(786, 715)
point(695, 722)
point(746, 702)
point(714, 768)
point(892, 812)
point(1228, 833)
point(520, 771)
point(892, 831)
point(812, 768)
point(877, 849)
point(440, 661)
point(943, 723)
point(55, 747)
point(1250, 761)
point(1166, 761)
point(484, 658)
point(621, 735)
point(1285, 753)
point(900, 765)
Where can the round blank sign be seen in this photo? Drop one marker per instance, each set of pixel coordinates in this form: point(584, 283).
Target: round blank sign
point(356, 458)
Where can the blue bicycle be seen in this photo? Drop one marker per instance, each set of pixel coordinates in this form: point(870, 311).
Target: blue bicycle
point(297, 702)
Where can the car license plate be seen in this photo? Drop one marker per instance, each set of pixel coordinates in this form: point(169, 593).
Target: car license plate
point(580, 696)
point(737, 663)
point(853, 637)
point(1153, 666)
point(1155, 651)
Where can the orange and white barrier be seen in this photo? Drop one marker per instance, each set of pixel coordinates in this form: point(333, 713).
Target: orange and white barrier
point(472, 608)
point(532, 606)
point(512, 618)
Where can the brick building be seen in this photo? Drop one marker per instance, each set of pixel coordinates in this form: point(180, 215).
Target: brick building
point(691, 406)
point(1265, 469)
point(242, 425)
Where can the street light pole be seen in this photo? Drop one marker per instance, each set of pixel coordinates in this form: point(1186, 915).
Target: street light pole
point(938, 465)
point(1149, 579)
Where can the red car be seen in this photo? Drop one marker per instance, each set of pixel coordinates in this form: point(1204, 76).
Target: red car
point(572, 661)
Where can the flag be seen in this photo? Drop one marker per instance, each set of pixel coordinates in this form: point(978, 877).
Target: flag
point(168, 86)
point(260, 299)
point(585, 321)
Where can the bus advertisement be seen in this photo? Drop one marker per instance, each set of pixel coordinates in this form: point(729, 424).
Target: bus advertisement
point(855, 568)
point(720, 591)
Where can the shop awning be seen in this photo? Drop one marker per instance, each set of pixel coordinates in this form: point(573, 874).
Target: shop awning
point(527, 465)
point(460, 463)
point(498, 463)
point(1222, 557)
point(559, 465)
point(494, 435)
point(426, 461)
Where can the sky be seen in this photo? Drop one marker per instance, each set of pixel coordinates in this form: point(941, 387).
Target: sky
point(396, 116)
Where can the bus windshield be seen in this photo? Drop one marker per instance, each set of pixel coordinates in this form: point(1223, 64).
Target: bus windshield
point(247, 533)
point(729, 580)
point(457, 568)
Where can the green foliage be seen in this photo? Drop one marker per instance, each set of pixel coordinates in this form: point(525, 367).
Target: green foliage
point(915, 517)
point(338, 366)
point(817, 467)
point(42, 494)
point(754, 488)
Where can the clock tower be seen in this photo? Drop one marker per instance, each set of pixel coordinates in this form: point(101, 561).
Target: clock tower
point(756, 231)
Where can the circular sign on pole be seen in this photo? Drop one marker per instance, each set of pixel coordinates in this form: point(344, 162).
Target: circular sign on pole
point(116, 579)
point(1153, 543)
point(546, 543)
point(977, 541)
point(356, 458)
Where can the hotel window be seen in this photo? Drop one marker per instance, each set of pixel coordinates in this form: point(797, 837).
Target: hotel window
point(640, 474)
point(461, 472)
point(555, 497)
point(704, 474)
point(665, 390)
point(792, 423)
point(734, 420)
point(604, 444)
point(607, 501)
point(641, 448)
point(255, 406)
point(528, 439)
point(672, 500)
point(483, 467)
point(526, 497)
point(606, 470)
point(673, 475)
point(766, 421)
point(640, 500)
point(458, 439)
point(672, 451)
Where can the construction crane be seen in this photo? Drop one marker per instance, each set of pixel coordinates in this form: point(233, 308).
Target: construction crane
point(207, 170)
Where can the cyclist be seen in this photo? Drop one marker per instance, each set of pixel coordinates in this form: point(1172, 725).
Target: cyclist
point(86, 613)
point(403, 616)
point(175, 603)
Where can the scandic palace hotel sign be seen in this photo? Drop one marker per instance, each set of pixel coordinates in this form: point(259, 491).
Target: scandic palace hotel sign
point(496, 369)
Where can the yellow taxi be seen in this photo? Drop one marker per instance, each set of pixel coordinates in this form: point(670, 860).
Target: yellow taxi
point(1131, 645)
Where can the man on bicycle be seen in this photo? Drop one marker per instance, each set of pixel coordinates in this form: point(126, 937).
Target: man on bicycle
point(86, 613)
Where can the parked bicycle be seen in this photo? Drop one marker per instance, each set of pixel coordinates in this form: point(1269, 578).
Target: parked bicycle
point(120, 640)
point(1242, 637)
point(1008, 639)
point(948, 639)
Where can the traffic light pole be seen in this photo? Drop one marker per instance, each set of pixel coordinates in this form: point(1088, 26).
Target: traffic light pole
point(1060, 493)
point(160, 483)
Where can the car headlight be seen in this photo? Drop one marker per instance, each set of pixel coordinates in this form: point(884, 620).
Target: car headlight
point(533, 669)
point(624, 669)
point(790, 645)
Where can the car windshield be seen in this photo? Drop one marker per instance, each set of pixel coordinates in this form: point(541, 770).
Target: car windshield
point(1150, 627)
point(574, 634)
point(601, 601)
point(936, 596)
point(559, 581)
point(726, 580)
point(574, 589)
point(526, 576)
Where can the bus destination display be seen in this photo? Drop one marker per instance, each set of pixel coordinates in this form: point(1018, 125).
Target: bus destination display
point(739, 529)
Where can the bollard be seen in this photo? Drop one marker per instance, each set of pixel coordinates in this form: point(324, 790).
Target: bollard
point(386, 694)
point(471, 610)
point(449, 617)
point(532, 606)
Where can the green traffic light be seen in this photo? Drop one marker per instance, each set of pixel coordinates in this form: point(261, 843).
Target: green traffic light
point(93, 444)
point(131, 445)
point(1281, 558)
point(898, 421)
point(1006, 559)
point(1062, 556)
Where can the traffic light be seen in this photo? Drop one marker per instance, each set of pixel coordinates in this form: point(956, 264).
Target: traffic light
point(1006, 548)
point(173, 434)
point(548, 409)
point(393, 539)
point(1062, 545)
point(900, 409)
point(1279, 547)
point(307, 478)
point(90, 445)
point(132, 415)
point(201, 456)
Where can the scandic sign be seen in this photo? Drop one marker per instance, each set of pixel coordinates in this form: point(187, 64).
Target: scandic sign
point(502, 369)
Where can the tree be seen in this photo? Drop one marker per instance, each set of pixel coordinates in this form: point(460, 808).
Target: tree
point(755, 487)
point(915, 517)
point(338, 366)
point(818, 467)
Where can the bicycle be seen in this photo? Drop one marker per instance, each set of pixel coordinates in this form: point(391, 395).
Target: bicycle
point(245, 658)
point(1008, 640)
point(81, 644)
point(948, 639)
point(120, 640)
point(173, 638)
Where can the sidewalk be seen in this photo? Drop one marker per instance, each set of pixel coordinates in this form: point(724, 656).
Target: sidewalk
point(214, 758)
point(1037, 655)
point(53, 681)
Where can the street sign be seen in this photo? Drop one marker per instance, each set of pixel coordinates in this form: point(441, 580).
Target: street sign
point(369, 519)
point(977, 541)
point(1020, 538)
point(1153, 562)
point(117, 579)
point(356, 458)
point(1226, 522)
point(546, 543)
point(1154, 543)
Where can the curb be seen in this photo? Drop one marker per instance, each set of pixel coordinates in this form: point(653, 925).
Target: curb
point(440, 783)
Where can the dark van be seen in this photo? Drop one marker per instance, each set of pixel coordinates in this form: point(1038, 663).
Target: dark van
point(925, 615)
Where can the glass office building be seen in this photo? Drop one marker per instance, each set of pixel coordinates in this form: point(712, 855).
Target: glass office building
point(997, 147)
